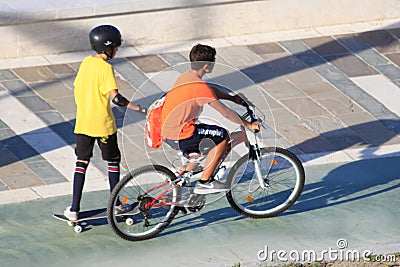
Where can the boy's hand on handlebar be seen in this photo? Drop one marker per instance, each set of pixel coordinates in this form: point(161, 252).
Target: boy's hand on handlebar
point(255, 126)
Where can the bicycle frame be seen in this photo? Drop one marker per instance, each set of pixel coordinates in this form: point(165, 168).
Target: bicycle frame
point(236, 138)
point(161, 195)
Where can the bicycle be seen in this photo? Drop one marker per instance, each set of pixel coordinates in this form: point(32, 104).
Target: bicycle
point(264, 183)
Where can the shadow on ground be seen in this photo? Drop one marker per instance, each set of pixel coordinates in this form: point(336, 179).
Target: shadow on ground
point(344, 184)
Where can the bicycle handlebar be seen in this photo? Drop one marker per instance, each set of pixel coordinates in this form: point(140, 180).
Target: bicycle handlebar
point(249, 113)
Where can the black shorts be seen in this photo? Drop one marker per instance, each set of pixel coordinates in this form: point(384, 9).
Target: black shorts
point(108, 146)
point(204, 138)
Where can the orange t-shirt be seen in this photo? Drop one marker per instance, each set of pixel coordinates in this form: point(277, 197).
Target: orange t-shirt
point(183, 104)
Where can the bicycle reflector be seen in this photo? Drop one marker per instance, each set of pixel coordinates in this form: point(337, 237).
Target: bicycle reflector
point(274, 162)
point(124, 200)
point(249, 199)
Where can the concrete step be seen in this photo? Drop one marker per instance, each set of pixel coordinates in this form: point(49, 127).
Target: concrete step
point(43, 27)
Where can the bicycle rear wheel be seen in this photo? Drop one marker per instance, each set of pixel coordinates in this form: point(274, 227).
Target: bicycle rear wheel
point(145, 188)
point(282, 177)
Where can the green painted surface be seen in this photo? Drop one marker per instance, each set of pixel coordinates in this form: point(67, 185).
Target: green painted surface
point(357, 201)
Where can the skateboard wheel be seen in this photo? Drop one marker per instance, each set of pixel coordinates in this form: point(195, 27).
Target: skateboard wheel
point(78, 229)
point(129, 221)
point(71, 224)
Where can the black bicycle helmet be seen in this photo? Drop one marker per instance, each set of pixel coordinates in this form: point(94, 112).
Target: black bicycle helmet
point(103, 37)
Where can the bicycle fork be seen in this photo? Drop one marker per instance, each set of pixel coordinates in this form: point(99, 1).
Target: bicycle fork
point(255, 157)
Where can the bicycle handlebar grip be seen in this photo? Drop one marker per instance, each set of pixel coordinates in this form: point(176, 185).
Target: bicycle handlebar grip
point(251, 114)
point(244, 103)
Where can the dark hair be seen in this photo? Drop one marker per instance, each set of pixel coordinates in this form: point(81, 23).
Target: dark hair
point(201, 55)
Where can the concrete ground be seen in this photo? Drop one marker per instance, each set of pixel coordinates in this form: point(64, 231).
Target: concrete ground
point(332, 95)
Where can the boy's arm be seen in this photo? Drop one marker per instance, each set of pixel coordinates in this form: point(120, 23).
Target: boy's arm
point(223, 95)
point(220, 94)
point(121, 101)
point(233, 116)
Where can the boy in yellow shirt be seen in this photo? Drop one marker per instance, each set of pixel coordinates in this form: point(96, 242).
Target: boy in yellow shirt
point(94, 86)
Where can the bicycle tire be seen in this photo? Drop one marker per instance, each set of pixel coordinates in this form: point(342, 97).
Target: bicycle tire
point(281, 170)
point(135, 183)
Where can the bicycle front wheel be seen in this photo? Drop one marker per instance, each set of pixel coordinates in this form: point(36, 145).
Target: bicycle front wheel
point(278, 188)
point(149, 189)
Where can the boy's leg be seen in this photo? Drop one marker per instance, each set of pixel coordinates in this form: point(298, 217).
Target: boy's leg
point(185, 168)
point(79, 181)
point(210, 139)
point(110, 153)
point(207, 184)
point(212, 159)
point(113, 174)
point(83, 151)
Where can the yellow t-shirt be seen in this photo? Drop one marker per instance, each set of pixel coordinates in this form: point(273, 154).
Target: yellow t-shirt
point(93, 83)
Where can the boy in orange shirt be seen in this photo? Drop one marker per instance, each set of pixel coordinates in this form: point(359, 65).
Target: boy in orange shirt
point(183, 105)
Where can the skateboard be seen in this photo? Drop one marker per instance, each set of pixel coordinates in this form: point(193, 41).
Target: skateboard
point(96, 215)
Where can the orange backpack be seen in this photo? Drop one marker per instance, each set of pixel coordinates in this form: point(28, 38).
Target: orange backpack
point(153, 123)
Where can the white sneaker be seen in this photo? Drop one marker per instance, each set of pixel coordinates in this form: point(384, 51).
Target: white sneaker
point(210, 187)
point(71, 215)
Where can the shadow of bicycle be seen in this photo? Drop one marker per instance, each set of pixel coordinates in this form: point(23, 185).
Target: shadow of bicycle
point(343, 184)
point(349, 182)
